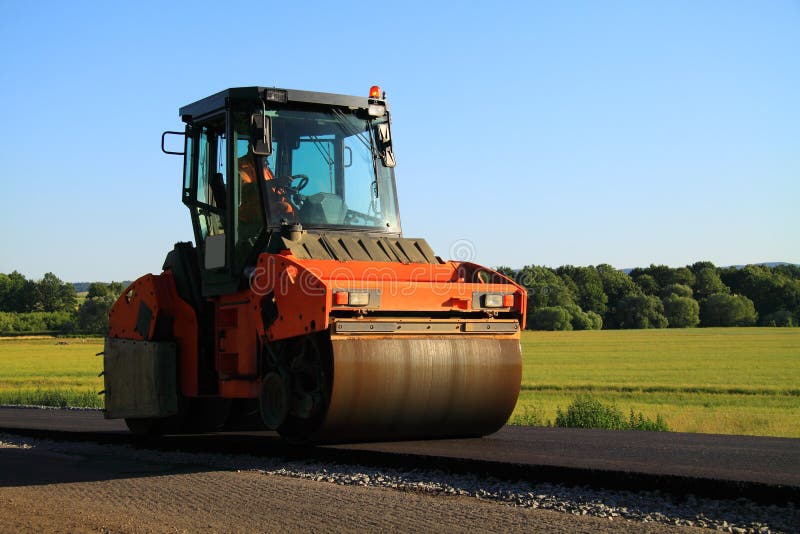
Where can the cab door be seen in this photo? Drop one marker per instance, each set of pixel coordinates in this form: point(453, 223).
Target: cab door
point(206, 193)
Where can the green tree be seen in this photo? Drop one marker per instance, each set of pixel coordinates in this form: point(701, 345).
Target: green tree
point(700, 265)
point(98, 289)
point(647, 283)
point(677, 289)
point(788, 270)
point(722, 309)
point(587, 286)
point(616, 285)
point(683, 276)
point(17, 293)
point(771, 290)
point(662, 275)
point(681, 312)
point(101, 289)
point(93, 314)
point(116, 288)
point(640, 311)
point(545, 288)
point(53, 295)
point(550, 318)
point(707, 283)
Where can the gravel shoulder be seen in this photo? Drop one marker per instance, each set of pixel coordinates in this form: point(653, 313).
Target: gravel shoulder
point(46, 489)
point(249, 502)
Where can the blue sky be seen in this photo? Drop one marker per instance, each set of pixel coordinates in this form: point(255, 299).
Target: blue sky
point(542, 133)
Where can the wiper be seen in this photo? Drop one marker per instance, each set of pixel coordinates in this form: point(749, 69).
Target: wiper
point(349, 129)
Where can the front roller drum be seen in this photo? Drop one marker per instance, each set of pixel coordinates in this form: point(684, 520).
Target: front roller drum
point(417, 387)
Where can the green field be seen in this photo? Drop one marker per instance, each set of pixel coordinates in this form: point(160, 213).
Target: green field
point(51, 371)
point(715, 380)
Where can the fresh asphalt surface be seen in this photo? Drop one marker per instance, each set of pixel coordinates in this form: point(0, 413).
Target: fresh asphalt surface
point(699, 463)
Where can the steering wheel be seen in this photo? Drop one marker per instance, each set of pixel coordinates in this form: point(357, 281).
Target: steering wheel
point(285, 183)
point(283, 186)
point(300, 186)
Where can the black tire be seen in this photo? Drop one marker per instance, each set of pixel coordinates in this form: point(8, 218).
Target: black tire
point(206, 415)
point(145, 427)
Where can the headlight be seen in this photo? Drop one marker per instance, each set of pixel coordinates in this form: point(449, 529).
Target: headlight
point(351, 298)
point(481, 300)
point(358, 298)
point(493, 300)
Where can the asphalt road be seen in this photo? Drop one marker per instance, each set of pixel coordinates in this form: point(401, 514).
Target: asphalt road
point(708, 463)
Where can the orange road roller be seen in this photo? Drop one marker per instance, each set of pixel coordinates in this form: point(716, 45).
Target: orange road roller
point(300, 307)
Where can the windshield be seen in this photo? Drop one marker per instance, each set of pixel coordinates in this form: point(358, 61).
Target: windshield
point(322, 172)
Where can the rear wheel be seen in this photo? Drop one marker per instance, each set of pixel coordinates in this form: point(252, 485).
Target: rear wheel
point(295, 390)
point(195, 416)
point(205, 415)
point(147, 426)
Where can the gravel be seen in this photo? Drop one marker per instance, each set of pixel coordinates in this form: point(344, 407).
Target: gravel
point(738, 516)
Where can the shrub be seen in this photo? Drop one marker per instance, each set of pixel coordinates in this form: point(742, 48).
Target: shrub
point(532, 416)
point(641, 311)
point(722, 309)
point(640, 422)
point(36, 322)
point(550, 318)
point(596, 320)
point(588, 412)
point(779, 318)
point(681, 312)
point(578, 319)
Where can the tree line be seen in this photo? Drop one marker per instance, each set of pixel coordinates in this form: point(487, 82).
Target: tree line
point(565, 298)
point(658, 296)
point(50, 305)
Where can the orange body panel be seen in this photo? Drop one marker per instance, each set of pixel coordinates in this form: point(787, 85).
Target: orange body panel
point(157, 293)
point(303, 289)
point(236, 336)
point(124, 314)
point(302, 301)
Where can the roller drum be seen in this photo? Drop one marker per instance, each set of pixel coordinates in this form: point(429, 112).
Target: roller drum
point(404, 387)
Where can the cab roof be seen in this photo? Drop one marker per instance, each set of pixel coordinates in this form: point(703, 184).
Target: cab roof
point(217, 101)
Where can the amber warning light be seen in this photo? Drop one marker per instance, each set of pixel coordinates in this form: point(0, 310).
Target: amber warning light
point(374, 92)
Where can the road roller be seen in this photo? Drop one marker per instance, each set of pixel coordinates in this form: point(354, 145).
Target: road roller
point(300, 307)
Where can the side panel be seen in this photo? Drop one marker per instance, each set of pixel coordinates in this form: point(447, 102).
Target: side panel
point(293, 300)
point(150, 309)
point(139, 379)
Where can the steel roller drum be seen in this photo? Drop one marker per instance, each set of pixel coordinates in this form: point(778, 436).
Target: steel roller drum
point(405, 387)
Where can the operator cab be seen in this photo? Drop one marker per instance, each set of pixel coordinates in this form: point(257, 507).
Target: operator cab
point(260, 162)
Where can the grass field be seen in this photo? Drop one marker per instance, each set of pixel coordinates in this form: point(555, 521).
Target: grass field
point(714, 380)
point(53, 372)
